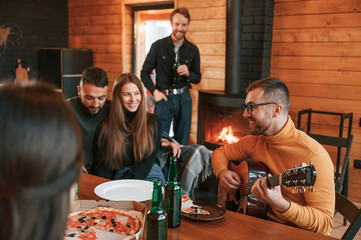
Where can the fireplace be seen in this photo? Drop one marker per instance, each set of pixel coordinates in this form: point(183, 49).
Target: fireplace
point(222, 118)
point(248, 53)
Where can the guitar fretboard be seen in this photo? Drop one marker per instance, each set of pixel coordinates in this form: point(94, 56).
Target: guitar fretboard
point(272, 181)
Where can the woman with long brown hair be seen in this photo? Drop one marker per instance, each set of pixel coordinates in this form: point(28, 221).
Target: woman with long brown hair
point(129, 136)
point(40, 158)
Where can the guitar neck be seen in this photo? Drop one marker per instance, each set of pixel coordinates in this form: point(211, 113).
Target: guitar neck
point(272, 181)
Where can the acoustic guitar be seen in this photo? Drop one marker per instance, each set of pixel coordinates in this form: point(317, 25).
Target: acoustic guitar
point(245, 202)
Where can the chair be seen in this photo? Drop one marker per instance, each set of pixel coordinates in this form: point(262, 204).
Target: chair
point(341, 173)
point(351, 212)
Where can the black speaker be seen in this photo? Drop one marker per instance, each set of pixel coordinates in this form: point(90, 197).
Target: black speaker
point(62, 67)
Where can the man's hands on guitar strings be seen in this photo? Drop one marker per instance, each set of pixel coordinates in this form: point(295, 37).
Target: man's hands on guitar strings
point(229, 180)
point(272, 196)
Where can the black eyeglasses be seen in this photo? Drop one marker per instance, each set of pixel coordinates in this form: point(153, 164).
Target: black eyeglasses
point(250, 106)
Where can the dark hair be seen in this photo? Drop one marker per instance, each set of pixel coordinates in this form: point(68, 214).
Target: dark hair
point(183, 11)
point(275, 89)
point(94, 76)
point(115, 129)
point(40, 158)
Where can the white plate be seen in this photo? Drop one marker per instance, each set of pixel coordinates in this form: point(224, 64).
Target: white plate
point(125, 190)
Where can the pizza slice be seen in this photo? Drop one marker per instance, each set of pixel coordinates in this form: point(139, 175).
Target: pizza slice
point(190, 208)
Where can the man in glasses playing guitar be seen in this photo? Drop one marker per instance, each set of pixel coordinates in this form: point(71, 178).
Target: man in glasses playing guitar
point(275, 142)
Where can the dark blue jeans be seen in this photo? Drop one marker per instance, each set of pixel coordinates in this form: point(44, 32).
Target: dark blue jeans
point(179, 108)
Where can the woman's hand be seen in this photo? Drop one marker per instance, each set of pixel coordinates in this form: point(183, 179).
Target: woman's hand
point(176, 149)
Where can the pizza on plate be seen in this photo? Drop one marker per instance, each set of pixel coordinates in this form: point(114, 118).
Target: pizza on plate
point(189, 208)
point(84, 225)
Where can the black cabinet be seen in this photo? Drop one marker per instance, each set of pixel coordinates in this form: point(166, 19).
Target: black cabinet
point(62, 67)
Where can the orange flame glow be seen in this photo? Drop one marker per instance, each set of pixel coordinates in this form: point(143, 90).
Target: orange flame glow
point(227, 135)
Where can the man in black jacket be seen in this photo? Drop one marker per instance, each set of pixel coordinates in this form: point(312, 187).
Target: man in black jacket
point(171, 90)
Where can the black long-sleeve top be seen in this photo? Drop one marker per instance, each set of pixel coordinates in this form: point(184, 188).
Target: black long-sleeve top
point(161, 58)
point(139, 171)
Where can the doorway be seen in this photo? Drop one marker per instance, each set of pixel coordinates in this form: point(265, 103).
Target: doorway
point(149, 26)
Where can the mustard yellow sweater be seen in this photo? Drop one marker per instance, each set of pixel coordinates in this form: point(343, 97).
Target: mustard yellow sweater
point(310, 210)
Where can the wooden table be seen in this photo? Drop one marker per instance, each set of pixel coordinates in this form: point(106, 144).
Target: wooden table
point(231, 226)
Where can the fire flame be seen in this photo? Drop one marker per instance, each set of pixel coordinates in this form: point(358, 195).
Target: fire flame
point(227, 135)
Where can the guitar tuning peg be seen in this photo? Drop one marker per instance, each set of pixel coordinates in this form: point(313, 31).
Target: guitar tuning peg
point(310, 163)
point(302, 189)
point(295, 166)
point(294, 190)
point(303, 164)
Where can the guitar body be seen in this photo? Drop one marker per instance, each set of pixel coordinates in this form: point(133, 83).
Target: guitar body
point(249, 172)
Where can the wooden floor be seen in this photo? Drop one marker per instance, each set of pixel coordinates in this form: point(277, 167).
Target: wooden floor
point(339, 228)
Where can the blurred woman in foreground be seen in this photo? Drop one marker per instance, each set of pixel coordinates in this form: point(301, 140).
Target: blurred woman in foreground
point(40, 158)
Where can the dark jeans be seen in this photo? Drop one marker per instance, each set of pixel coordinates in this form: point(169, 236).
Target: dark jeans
point(179, 108)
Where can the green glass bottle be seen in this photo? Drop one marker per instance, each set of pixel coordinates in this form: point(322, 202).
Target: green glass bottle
point(175, 67)
point(157, 221)
point(173, 195)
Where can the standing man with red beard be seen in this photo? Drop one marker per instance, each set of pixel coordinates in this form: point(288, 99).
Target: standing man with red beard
point(276, 143)
point(171, 88)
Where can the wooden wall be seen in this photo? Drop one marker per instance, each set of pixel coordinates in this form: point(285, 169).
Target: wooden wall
point(98, 25)
point(316, 50)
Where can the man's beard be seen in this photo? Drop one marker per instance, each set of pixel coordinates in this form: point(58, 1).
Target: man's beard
point(258, 130)
point(175, 34)
point(93, 110)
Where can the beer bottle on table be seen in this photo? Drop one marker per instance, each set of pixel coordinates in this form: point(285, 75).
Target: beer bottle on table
point(175, 67)
point(157, 222)
point(173, 195)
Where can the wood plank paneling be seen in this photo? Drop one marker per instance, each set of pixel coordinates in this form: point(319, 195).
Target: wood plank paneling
point(94, 20)
point(317, 21)
point(344, 49)
point(212, 61)
point(212, 49)
point(103, 10)
point(326, 91)
point(95, 39)
point(206, 37)
point(208, 25)
point(95, 30)
point(207, 13)
point(82, 3)
point(322, 77)
point(316, 63)
point(325, 104)
point(316, 51)
point(317, 7)
point(101, 48)
point(97, 25)
point(317, 35)
point(200, 3)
